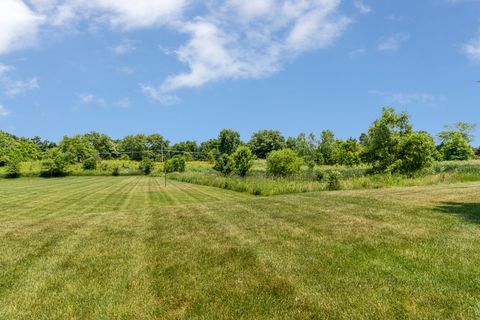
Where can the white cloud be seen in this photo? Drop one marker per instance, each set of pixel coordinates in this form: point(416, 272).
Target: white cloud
point(91, 99)
point(157, 96)
point(405, 99)
point(362, 7)
point(472, 50)
point(227, 39)
point(122, 103)
point(251, 39)
point(88, 98)
point(123, 14)
point(126, 70)
point(357, 52)
point(394, 42)
point(11, 87)
point(4, 112)
point(124, 47)
point(18, 25)
point(5, 68)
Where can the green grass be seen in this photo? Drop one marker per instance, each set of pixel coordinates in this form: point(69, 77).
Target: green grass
point(129, 248)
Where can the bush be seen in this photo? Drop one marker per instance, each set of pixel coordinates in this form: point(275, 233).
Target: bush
point(90, 163)
point(224, 164)
point(283, 163)
point(416, 153)
point(55, 164)
point(242, 160)
point(334, 180)
point(176, 164)
point(456, 147)
point(116, 171)
point(13, 167)
point(146, 166)
point(319, 175)
point(124, 157)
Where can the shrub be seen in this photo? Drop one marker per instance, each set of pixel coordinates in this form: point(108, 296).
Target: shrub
point(124, 157)
point(242, 160)
point(283, 163)
point(116, 171)
point(13, 167)
point(55, 164)
point(90, 163)
point(175, 164)
point(456, 147)
point(334, 180)
point(224, 164)
point(146, 166)
point(319, 175)
point(416, 153)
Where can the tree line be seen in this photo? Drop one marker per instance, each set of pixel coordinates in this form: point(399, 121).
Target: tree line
point(389, 145)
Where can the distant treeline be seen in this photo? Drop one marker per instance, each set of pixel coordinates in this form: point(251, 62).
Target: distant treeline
point(387, 140)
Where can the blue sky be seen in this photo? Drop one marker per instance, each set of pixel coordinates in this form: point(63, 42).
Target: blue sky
point(188, 68)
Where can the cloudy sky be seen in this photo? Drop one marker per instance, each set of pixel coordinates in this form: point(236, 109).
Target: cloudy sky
point(188, 68)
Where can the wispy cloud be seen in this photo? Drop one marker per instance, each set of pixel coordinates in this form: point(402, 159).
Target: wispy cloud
point(405, 98)
point(126, 70)
point(362, 7)
point(124, 47)
point(226, 39)
point(95, 100)
point(88, 98)
point(4, 112)
point(5, 68)
point(12, 88)
point(393, 42)
point(357, 52)
point(472, 50)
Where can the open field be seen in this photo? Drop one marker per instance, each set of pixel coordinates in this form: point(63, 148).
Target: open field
point(127, 247)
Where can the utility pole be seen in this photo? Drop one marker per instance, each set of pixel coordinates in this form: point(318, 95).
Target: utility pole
point(164, 168)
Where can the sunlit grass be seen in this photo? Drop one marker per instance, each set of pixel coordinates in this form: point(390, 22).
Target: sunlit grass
point(130, 248)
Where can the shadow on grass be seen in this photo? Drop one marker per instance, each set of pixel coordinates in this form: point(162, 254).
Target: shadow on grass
point(468, 211)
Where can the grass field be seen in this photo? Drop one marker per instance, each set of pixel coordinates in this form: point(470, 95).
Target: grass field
point(127, 247)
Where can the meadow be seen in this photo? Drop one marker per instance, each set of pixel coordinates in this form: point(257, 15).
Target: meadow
point(128, 247)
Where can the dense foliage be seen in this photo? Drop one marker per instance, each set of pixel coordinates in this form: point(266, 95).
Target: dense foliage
point(176, 164)
point(242, 160)
point(390, 146)
point(283, 163)
point(265, 141)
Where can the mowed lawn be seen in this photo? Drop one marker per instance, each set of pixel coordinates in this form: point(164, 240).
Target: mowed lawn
point(129, 248)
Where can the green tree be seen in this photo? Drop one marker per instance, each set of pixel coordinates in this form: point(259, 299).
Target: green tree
point(228, 141)
point(283, 163)
point(103, 144)
point(154, 143)
point(208, 148)
point(224, 164)
point(242, 160)
point(326, 148)
point(456, 147)
point(347, 152)
point(13, 168)
point(55, 163)
point(464, 128)
point(78, 147)
point(176, 164)
point(146, 165)
point(265, 141)
point(188, 148)
point(383, 139)
point(135, 146)
point(416, 151)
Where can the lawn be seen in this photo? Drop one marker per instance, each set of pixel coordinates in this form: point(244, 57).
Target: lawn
point(128, 247)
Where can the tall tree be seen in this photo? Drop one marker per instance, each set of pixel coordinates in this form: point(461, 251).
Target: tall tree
point(228, 141)
point(265, 141)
